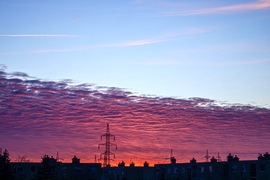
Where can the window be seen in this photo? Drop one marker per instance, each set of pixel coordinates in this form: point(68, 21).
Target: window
point(202, 169)
point(168, 170)
point(33, 169)
point(210, 169)
point(244, 168)
point(194, 171)
point(234, 168)
point(64, 169)
point(189, 170)
point(175, 170)
point(64, 172)
point(93, 170)
point(262, 168)
point(77, 169)
point(252, 170)
point(19, 169)
point(182, 169)
point(157, 170)
point(226, 170)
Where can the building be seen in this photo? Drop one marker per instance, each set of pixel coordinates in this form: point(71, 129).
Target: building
point(131, 172)
point(232, 169)
point(49, 168)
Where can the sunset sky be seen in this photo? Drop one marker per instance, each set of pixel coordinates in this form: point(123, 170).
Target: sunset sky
point(166, 74)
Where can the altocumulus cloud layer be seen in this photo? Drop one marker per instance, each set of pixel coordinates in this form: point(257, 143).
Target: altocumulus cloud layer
point(39, 117)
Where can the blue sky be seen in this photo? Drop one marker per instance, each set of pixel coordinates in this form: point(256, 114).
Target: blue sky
point(209, 49)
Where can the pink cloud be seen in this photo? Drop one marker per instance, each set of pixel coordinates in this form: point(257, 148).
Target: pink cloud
point(259, 4)
point(39, 117)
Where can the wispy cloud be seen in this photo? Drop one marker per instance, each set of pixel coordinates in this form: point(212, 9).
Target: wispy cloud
point(3, 67)
point(131, 43)
point(87, 48)
point(52, 50)
point(164, 38)
point(240, 7)
point(156, 62)
point(140, 42)
point(193, 63)
point(259, 4)
point(247, 62)
point(37, 35)
point(40, 51)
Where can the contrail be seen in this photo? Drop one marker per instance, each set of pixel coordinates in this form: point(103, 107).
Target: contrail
point(37, 35)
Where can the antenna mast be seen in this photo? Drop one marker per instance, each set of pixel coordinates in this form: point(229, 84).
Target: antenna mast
point(107, 144)
point(171, 153)
point(57, 157)
point(219, 158)
point(207, 156)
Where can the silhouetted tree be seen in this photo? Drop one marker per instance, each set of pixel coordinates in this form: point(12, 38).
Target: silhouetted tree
point(5, 166)
point(47, 169)
point(22, 159)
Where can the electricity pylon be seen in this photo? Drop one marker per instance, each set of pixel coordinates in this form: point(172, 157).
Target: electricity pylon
point(106, 155)
point(207, 156)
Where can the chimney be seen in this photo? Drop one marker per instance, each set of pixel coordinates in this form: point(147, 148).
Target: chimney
point(173, 160)
point(229, 157)
point(132, 164)
point(193, 160)
point(213, 159)
point(266, 156)
point(75, 160)
point(236, 158)
point(145, 164)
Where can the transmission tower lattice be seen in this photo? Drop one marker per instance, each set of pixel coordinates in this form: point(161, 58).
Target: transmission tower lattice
point(106, 155)
point(207, 156)
point(218, 158)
